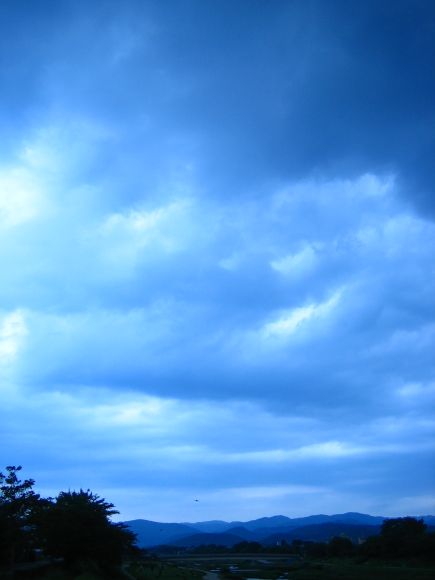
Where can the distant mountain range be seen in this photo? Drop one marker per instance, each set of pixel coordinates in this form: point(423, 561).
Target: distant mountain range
point(267, 531)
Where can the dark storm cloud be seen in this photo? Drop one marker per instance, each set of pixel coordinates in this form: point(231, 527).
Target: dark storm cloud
point(249, 93)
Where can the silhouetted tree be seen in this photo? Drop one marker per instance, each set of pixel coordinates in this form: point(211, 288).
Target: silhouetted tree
point(372, 547)
point(17, 504)
point(204, 549)
point(402, 537)
point(316, 549)
point(299, 547)
point(428, 546)
point(340, 546)
point(77, 527)
point(247, 547)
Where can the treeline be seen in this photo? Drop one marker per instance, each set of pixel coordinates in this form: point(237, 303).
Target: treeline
point(399, 538)
point(74, 530)
point(404, 538)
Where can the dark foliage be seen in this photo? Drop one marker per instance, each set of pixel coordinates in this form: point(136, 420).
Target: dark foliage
point(372, 547)
point(247, 548)
point(17, 505)
point(75, 527)
point(313, 549)
point(403, 537)
point(208, 549)
point(340, 547)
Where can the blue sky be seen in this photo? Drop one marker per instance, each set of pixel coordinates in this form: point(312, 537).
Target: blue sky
point(217, 254)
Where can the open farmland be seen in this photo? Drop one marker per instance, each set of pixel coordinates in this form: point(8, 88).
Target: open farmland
point(264, 566)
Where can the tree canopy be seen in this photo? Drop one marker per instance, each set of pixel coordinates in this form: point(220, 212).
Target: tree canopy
point(89, 534)
point(18, 502)
point(74, 527)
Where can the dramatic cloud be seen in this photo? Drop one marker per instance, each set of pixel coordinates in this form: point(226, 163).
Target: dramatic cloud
point(217, 243)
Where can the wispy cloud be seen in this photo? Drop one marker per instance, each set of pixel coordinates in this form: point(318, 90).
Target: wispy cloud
point(289, 322)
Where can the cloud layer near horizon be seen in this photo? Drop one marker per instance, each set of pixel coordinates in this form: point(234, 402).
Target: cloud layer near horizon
point(217, 242)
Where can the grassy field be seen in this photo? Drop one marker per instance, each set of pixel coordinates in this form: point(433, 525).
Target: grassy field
point(353, 571)
point(155, 570)
point(147, 570)
point(240, 568)
point(274, 568)
point(340, 570)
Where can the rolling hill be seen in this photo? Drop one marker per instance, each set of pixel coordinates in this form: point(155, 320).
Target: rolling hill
point(267, 531)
